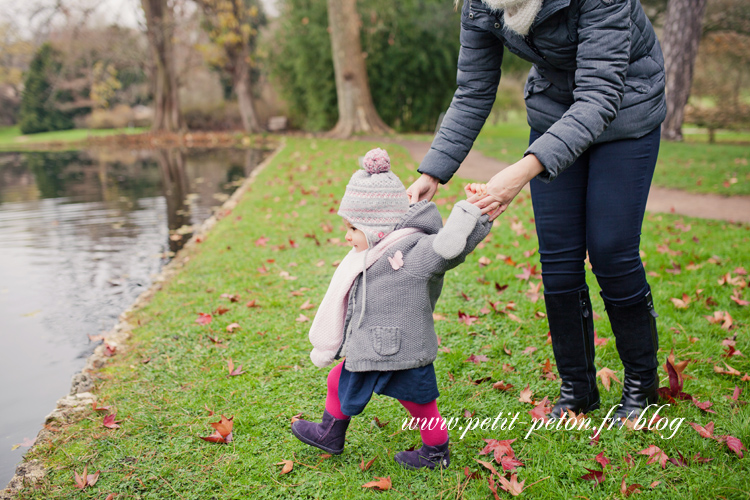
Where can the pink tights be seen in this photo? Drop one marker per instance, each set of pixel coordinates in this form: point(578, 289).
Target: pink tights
point(433, 434)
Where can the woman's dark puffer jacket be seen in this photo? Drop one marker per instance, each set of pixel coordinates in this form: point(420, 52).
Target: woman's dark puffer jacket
point(597, 76)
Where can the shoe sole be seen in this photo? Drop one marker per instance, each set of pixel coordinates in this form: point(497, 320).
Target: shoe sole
point(316, 445)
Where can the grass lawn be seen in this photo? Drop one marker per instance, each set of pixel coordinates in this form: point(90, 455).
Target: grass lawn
point(11, 137)
point(694, 165)
point(276, 251)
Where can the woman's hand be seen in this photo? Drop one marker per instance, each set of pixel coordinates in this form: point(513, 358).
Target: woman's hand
point(476, 192)
point(423, 188)
point(506, 184)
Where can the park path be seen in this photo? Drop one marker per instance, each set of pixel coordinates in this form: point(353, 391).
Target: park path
point(705, 206)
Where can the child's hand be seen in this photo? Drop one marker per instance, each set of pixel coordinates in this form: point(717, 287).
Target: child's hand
point(475, 192)
point(474, 189)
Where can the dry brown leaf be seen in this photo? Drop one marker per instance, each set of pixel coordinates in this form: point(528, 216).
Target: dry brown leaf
point(288, 466)
point(383, 483)
point(607, 376)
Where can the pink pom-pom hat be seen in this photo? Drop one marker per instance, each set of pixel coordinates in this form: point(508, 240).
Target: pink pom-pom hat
point(376, 161)
point(375, 199)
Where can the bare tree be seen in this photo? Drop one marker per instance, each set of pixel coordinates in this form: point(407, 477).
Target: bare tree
point(682, 34)
point(357, 112)
point(160, 29)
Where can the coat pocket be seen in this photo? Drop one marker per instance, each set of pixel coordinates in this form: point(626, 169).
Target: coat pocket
point(386, 340)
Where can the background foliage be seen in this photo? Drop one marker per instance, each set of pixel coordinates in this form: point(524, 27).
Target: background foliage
point(39, 101)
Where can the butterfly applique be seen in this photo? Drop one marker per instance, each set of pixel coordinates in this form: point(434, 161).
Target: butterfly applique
point(397, 261)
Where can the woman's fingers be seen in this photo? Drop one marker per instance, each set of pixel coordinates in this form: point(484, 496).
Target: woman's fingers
point(496, 213)
point(491, 207)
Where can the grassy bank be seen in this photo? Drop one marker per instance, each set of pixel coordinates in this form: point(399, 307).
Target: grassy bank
point(276, 251)
point(11, 138)
point(693, 165)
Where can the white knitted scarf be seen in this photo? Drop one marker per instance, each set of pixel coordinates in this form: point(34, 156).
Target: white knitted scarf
point(518, 14)
point(327, 330)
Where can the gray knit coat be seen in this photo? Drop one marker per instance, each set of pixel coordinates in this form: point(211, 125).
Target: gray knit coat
point(392, 328)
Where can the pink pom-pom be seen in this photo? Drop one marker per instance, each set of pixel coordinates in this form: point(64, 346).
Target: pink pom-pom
point(376, 161)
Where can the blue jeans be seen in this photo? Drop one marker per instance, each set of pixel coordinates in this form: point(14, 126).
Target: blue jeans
point(597, 204)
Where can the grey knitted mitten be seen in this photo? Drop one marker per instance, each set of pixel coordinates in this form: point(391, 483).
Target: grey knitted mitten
point(451, 240)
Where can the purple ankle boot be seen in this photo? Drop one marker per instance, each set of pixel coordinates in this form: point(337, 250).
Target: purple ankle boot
point(328, 435)
point(427, 456)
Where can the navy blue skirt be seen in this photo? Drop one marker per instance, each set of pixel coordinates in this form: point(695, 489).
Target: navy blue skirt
point(418, 385)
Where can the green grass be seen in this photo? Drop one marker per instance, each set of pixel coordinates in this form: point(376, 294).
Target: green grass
point(11, 137)
point(161, 403)
point(693, 165)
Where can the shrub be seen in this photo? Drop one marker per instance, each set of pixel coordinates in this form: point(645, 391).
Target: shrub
point(39, 111)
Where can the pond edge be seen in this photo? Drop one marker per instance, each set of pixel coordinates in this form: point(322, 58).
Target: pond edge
point(73, 406)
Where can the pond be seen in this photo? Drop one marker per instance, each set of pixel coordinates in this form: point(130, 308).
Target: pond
point(82, 234)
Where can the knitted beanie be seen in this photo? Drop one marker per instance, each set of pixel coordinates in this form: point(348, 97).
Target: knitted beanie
point(375, 199)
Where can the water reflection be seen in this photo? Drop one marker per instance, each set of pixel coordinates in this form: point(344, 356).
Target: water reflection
point(81, 235)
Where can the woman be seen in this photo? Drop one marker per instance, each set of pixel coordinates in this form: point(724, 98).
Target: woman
point(595, 102)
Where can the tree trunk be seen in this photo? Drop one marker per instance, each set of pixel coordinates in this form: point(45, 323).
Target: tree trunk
point(243, 89)
point(682, 34)
point(160, 29)
point(357, 112)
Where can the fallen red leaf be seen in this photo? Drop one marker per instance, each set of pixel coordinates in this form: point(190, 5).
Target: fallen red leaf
point(476, 359)
point(734, 444)
point(594, 475)
point(602, 460)
point(510, 463)
point(541, 410)
point(629, 490)
point(232, 327)
point(499, 448)
point(109, 421)
point(656, 454)
point(204, 318)
point(703, 406)
point(706, 432)
point(466, 318)
point(99, 408)
point(489, 466)
point(233, 372)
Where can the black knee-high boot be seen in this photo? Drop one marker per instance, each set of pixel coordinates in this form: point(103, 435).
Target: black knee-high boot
point(634, 327)
point(571, 325)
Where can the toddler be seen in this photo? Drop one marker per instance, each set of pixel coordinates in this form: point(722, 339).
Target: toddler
point(377, 312)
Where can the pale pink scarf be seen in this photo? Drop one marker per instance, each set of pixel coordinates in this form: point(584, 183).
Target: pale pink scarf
point(327, 330)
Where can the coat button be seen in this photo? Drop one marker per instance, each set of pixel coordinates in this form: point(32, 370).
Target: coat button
point(497, 25)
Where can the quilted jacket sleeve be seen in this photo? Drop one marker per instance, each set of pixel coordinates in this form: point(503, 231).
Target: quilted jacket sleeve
point(601, 65)
point(479, 60)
